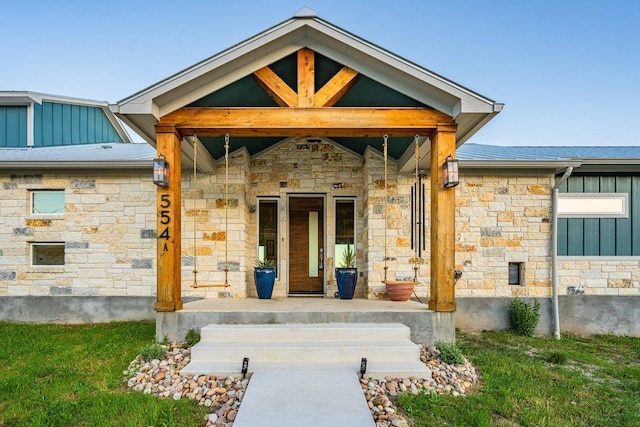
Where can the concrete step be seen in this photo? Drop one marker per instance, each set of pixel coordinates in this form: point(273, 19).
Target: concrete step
point(307, 351)
point(387, 348)
point(311, 332)
point(374, 369)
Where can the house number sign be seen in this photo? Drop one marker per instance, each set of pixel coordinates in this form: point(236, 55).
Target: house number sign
point(165, 219)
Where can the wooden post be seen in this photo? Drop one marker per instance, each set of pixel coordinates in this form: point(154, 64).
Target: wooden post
point(168, 205)
point(442, 298)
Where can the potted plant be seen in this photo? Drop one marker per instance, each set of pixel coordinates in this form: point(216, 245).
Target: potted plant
point(347, 274)
point(264, 275)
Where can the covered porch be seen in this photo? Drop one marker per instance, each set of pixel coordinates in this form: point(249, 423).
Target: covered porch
point(298, 102)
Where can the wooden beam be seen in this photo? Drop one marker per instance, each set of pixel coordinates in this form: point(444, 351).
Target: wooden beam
point(335, 88)
point(275, 87)
point(442, 295)
point(303, 122)
point(169, 239)
point(306, 78)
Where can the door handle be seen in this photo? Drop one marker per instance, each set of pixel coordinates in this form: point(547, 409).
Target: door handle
point(321, 263)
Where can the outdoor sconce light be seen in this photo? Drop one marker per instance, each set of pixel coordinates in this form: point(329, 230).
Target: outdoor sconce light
point(450, 173)
point(161, 172)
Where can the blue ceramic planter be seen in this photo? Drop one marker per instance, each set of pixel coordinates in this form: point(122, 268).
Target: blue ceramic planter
point(264, 278)
point(346, 278)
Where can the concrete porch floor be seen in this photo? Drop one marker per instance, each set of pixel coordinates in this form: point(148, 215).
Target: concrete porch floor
point(426, 326)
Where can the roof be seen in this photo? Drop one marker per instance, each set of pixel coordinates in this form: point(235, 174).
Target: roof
point(494, 152)
point(588, 158)
point(111, 156)
point(142, 110)
point(12, 97)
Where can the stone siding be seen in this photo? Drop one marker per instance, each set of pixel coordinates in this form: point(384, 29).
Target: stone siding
point(593, 276)
point(106, 251)
point(502, 219)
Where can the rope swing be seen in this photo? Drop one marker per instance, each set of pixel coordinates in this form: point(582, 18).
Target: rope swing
point(226, 218)
point(416, 155)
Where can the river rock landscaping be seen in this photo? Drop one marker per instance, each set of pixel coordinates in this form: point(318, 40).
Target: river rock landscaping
point(223, 394)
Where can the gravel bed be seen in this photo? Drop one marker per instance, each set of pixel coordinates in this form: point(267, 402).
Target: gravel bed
point(223, 394)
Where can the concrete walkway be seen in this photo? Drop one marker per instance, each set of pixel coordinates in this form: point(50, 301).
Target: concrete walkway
point(304, 398)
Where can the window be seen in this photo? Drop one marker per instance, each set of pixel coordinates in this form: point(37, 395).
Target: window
point(516, 273)
point(47, 254)
point(268, 230)
point(345, 228)
point(47, 202)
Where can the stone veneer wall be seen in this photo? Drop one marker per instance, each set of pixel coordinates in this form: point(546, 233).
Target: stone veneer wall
point(109, 231)
point(388, 222)
point(215, 228)
point(599, 276)
point(297, 166)
point(502, 219)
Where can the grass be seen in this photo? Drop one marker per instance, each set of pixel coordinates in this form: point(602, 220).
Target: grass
point(55, 375)
point(538, 381)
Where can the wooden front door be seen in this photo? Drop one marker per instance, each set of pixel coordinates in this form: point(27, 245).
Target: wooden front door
point(306, 245)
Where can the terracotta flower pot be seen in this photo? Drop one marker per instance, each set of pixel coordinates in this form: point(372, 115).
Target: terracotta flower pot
point(399, 291)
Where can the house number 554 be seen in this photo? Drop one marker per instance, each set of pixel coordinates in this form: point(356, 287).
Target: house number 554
point(165, 218)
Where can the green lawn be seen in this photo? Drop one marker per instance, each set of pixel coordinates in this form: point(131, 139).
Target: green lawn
point(52, 375)
point(597, 385)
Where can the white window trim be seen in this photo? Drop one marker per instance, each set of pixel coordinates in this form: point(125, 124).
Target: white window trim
point(55, 266)
point(53, 190)
point(593, 208)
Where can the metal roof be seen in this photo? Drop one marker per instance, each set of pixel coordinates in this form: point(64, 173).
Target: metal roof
point(472, 151)
point(110, 155)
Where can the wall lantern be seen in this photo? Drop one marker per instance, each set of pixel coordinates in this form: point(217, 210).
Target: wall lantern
point(450, 173)
point(161, 172)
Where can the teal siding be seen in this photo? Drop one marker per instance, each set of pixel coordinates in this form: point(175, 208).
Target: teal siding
point(59, 124)
point(602, 236)
point(13, 126)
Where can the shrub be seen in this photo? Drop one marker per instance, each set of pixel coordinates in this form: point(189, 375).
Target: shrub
point(450, 352)
point(192, 338)
point(152, 351)
point(524, 317)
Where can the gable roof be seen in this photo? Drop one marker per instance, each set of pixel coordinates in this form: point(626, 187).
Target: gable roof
point(470, 110)
point(28, 98)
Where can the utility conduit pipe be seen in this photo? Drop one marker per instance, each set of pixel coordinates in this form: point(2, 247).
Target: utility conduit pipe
point(554, 251)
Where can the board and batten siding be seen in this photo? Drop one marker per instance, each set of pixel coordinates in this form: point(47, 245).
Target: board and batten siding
point(13, 126)
point(58, 124)
point(602, 236)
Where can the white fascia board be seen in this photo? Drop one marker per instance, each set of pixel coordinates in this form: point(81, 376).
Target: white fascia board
point(80, 164)
point(557, 165)
point(116, 124)
point(19, 98)
point(148, 134)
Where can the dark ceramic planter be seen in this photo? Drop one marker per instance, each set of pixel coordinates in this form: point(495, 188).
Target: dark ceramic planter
point(346, 278)
point(264, 278)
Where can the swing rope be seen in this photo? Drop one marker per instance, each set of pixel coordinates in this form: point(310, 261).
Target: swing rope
point(226, 209)
point(195, 217)
point(226, 217)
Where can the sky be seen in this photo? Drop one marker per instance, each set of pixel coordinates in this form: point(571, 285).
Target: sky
point(567, 71)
